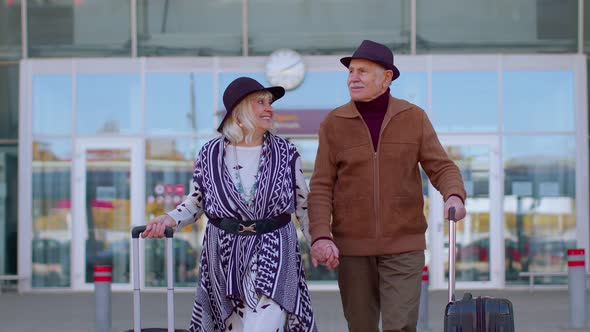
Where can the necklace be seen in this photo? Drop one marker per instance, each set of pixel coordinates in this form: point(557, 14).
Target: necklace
point(249, 195)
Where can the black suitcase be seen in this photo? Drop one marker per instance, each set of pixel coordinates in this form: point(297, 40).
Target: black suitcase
point(169, 280)
point(480, 314)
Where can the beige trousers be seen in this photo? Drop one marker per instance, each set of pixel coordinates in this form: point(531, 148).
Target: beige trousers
point(386, 286)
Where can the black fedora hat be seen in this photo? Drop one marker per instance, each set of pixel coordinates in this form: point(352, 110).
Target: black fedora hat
point(372, 51)
point(241, 87)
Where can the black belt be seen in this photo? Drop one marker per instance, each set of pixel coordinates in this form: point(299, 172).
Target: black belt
point(251, 227)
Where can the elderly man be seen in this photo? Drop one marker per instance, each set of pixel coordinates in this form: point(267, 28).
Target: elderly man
point(366, 202)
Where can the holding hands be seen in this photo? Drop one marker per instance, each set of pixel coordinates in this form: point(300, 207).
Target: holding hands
point(155, 228)
point(325, 252)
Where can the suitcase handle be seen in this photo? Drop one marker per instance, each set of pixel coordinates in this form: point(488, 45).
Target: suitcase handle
point(169, 233)
point(452, 246)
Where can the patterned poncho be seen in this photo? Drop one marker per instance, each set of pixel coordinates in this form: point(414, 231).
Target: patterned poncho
point(236, 270)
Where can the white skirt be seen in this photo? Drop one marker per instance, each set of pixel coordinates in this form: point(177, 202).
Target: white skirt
point(266, 317)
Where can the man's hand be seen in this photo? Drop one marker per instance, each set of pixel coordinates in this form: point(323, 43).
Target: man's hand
point(325, 252)
point(155, 228)
point(454, 201)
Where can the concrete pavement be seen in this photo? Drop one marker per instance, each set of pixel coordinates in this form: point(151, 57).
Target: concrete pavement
point(538, 311)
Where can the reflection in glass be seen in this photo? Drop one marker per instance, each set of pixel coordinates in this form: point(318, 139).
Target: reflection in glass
point(307, 148)
point(52, 104)
point(108, 220)
point(327, 26)
point(8, 209)
point(539, 204)
point(413, 87)
point(169, 173)
point(72, 28)
point(10, 32)
point(465, 101)
point(473, 232)
point(9, 84)
point(507, 26)
point(538, 100)
point(51, 212)
point(586, 29)
point(179, 103)
point(189, 27)
point(108, 104)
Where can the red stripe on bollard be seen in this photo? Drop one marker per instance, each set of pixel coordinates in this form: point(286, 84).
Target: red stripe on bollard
point(103, 268)
point(572, 252)
point(103, 279)
point(425, 273)
point(102, 273)
point(576, 263)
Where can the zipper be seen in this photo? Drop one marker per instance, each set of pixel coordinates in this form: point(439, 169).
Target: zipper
point(375, 179)
point(376, 190)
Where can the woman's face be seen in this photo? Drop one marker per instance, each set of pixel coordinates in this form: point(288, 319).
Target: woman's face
point(262, 113)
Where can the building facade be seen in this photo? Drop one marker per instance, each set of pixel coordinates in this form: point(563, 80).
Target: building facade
point(104, 104)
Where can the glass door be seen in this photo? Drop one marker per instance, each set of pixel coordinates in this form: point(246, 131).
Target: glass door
point(108, 178)
point(480, 240)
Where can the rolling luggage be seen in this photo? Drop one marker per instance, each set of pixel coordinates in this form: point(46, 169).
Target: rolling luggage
point(480, 314)
point(169, 278)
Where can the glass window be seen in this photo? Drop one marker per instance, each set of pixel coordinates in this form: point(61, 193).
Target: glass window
point(505, 26)
point(9, 83)
point(465, 101)
point(52, 104)
point(52, 215)
point(413, 87)
point(473, 233)
point(169, 173)
point(108, 104)
point(10, 29)
point(189, 27)
point(307, 149)
point(108, 211)
point(538, 100)
point(179, 103)
point(586, 28)
point(327, 26)
point(8, 209)
point(539, 205)
point(73, 28)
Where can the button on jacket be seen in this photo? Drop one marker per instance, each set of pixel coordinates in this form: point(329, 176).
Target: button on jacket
point(370, 200)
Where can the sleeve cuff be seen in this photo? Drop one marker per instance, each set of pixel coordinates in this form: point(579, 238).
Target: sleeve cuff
point(461, 198)
point(321, 238)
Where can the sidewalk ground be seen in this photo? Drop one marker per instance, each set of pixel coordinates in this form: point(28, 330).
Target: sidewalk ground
point(538, 311)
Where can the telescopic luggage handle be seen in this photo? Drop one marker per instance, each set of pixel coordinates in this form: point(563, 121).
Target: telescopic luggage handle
point(169, 233)
point(137, 230)
point(452, 245)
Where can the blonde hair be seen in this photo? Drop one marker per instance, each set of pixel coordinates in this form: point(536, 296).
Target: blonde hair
point(242, 119)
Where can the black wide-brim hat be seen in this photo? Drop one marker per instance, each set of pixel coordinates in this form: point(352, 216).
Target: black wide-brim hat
point(375, 52)
point(241, 87)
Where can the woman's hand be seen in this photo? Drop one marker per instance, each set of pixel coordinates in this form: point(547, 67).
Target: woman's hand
point(155, 228)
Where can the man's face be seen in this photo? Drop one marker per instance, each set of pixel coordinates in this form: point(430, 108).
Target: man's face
point(367, 80)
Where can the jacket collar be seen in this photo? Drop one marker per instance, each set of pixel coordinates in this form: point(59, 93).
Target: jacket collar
point(394, 107)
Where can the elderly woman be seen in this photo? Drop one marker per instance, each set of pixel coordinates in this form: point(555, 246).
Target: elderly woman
point(247, 182)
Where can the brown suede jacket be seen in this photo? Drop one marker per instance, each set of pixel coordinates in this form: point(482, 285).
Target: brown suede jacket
point(369, 202)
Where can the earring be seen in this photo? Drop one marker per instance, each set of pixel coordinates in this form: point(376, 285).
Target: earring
point(240, 124)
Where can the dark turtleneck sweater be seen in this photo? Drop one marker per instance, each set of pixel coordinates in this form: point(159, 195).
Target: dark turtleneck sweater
point(373, 112)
